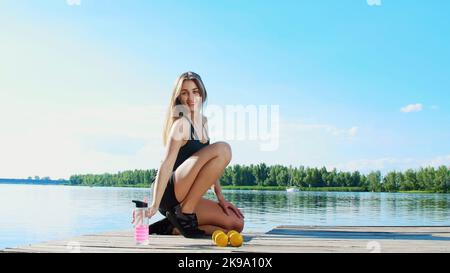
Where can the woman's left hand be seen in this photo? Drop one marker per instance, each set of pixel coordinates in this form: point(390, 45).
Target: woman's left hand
point(227, 205)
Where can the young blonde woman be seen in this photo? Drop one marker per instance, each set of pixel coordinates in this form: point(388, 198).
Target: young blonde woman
point(190, 167)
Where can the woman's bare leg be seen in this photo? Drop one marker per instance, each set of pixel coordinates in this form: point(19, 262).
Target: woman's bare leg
point(209, 229)
point(211, 217)
point(207, 176)
point(197, 173)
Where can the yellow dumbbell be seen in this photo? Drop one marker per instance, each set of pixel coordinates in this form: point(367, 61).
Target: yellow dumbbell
point(220, 238)
point(215, 233)
point(231, 232)
point(235, 238)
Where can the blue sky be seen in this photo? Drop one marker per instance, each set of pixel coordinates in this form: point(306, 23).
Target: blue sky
point(84, 88)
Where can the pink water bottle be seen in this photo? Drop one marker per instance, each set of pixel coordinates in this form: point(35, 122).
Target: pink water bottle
point(140, 223)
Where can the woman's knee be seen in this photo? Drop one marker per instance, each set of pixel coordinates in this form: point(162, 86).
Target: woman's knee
point(234, 223)
point(224, 150)
point(239, 225)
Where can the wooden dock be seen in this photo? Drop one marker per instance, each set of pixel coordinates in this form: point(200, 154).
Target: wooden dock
point(297, 239)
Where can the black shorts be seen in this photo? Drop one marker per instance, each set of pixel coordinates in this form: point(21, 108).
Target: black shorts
point(169, 199)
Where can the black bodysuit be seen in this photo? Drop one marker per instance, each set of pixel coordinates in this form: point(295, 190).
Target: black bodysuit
point(193, 145)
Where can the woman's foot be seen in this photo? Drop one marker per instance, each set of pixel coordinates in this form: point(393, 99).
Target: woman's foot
point(186, 223)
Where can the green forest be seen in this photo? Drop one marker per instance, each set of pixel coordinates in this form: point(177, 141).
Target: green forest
point(262, 176)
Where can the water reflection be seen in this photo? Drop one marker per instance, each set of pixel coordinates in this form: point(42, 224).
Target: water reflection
point(266, 209)
point(54, 212)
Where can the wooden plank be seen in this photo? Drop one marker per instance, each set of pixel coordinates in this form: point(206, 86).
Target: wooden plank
point(415, 229)
point(376, 233)
point(297, 239)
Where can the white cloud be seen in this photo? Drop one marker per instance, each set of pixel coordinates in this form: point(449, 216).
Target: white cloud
point(438, 161)
point(326, 128)
point(372, 164)
point(60, 142)
point(392, 163)
point(57, 141)
point(73, 2)
point(353, 131)
point(412, 108)
point(374, 2)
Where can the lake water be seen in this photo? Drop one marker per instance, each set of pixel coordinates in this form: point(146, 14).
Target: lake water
point(33, 213)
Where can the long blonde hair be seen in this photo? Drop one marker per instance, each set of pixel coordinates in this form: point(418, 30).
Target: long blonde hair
point(175, 110)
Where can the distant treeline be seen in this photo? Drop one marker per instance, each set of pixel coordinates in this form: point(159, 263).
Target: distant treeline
point(36, 181)
point(132, 178)
point(261, 175)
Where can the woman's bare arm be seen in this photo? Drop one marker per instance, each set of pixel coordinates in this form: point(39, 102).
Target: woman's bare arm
point(217, 190)
point(178, 133)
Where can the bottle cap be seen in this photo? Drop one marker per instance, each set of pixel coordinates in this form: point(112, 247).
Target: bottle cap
point(140, 204)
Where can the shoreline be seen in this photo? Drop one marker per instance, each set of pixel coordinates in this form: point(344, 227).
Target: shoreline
point(243, 188)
